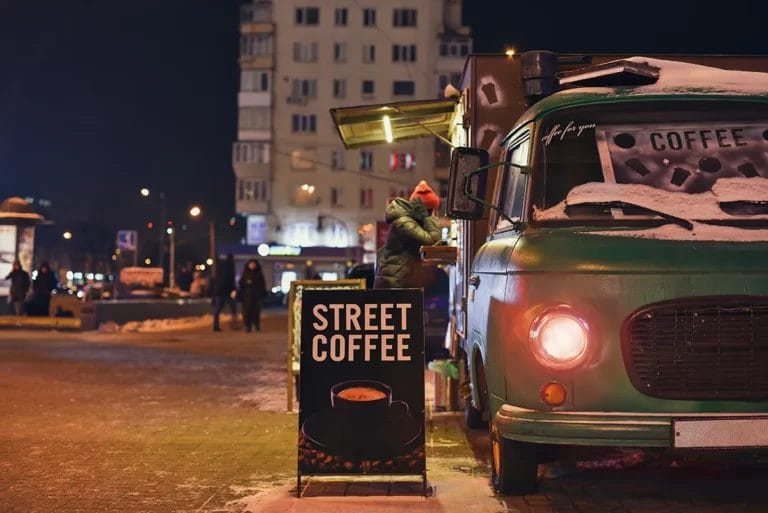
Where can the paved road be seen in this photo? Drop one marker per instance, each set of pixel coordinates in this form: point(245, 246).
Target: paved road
point(194, 421)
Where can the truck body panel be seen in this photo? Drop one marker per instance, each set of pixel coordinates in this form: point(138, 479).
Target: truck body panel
point(612, 292)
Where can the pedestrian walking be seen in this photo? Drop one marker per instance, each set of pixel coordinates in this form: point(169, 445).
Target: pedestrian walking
point(252, 290)
point(223, 290)
point(411, 225)
point(43, 285)
point(20, 284)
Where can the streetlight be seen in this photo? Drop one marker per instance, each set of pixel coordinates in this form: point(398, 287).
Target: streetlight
point(195, 211)
point(67, 235)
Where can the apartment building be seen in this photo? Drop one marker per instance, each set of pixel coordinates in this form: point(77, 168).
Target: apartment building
point(306, 197)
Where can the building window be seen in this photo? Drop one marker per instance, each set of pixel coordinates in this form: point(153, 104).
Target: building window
point(403, 53)
point(252, 80)
point(369, 17)
point(339, 52)
point(255, 118)
point(250, 152)
point(253, 190)
point(368, 88)
point(303, 88)
point(454, 49)
point(303, 159)
point(304, 51)
point(339, 88)
point(401, 160)
point(404, 18)
point(369, 54)
point(337, 197)
point(307, 16)
point(340, 17)
point(366, 160)
point(366, 198)
point(255, 45)
point(337, 159)
point(403, 88)
point(304, 123)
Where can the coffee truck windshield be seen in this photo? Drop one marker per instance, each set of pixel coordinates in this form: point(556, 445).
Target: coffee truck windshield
point(682, 148)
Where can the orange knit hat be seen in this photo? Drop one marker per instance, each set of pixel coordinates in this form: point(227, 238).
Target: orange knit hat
point(427, 196)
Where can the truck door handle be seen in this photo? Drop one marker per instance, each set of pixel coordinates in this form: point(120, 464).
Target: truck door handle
point(474, 280)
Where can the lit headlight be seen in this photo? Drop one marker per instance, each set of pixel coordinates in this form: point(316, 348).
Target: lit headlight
point(559, 338)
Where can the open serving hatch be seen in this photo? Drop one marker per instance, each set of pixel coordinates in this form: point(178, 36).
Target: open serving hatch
point(391, 122)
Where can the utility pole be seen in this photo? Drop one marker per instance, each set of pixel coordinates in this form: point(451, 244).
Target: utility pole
point(172, 264)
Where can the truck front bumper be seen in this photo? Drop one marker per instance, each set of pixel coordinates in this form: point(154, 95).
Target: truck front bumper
point(633, 429)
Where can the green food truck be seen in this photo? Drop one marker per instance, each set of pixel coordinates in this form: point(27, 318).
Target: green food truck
point(612, 249)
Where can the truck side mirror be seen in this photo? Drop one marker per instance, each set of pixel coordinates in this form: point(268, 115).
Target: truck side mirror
point(467, 183)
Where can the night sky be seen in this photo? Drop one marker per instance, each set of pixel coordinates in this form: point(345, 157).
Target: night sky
point(101, 97)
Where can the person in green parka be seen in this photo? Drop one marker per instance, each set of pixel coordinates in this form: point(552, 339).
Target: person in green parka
point(411, 225)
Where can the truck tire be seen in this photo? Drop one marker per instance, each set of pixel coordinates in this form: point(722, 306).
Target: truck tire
point(514, 465)
point(473, 418)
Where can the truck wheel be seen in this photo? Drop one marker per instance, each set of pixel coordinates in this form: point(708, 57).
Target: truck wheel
point(514, 466)
point(473, 418)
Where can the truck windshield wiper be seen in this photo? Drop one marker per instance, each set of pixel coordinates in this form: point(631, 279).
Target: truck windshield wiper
point(621, 204)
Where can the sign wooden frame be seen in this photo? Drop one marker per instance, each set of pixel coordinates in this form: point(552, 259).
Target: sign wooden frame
point(294, 324)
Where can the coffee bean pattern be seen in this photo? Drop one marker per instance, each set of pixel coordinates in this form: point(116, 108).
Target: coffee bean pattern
point(314, 460)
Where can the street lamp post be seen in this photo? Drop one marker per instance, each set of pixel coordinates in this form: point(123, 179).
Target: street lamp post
point(196, 212)
point(172, 256)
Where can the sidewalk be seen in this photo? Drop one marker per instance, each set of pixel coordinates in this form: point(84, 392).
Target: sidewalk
point(457, 476)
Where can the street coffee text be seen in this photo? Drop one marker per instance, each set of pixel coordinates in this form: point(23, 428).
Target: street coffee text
point(372, 331)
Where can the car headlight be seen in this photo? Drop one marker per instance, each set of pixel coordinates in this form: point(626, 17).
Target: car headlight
point(559, 338)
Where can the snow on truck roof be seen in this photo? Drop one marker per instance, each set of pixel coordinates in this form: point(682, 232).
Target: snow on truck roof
point(675, 78)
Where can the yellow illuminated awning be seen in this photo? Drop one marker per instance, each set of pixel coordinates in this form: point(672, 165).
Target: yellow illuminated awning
point(364, 125)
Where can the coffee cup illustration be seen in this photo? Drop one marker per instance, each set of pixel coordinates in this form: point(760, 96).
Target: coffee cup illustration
point(363, 422)
point(365, 400)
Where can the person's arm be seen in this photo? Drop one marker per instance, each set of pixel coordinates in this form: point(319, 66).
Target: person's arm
point(411, 232)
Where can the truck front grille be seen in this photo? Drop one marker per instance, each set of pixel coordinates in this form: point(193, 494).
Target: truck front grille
point(699, 348)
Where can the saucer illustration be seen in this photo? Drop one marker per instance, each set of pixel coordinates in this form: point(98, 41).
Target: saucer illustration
point(358, 439)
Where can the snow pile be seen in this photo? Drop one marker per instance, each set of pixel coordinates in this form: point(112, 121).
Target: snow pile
point(690, 207)
point(160, 325)
point(741, 189)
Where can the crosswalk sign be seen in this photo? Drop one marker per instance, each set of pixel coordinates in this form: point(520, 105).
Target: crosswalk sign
point(126, 240)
